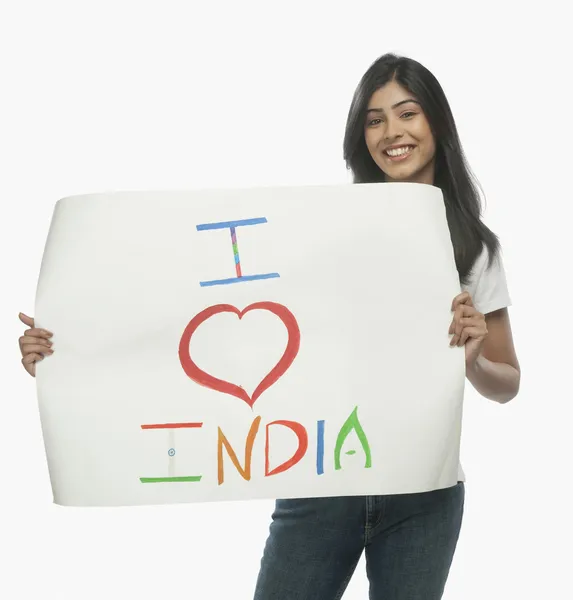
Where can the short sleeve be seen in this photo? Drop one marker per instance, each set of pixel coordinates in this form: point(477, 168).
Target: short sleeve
point(488, 285)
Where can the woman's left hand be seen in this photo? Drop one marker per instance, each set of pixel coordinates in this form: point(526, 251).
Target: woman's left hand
point(468, 327)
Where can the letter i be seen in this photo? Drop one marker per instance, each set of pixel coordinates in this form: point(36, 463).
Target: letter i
point(320, 447)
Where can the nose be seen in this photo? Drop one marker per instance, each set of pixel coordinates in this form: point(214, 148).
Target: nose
point(393, 130)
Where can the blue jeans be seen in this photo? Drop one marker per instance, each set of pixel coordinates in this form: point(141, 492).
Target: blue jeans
point(315, 544)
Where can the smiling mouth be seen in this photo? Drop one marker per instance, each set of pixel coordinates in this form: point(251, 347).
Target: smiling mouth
point(398, 154)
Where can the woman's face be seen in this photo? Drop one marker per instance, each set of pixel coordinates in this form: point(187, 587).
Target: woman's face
point(395, 119)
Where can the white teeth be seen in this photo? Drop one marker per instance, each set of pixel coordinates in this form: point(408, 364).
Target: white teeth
point(399, 151)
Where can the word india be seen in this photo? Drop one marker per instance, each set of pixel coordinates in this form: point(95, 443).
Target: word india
point(352, 423)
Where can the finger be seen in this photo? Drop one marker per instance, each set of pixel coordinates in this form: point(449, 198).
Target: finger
point(35, 332)
point(463, 298)
point(465, 315)
point(471, 332)
point(29, 363)
point(462, 314)
point(26, 320)
point(27, 340)
point(32, 358)
point(462, 320)
point(463, 310)
point(455, 335)
point(475, 320)
point(452, 331)
point(460, 299)
point(36, 348)
point(458, 316)
point(464, 337)
point(472, 321)
point(457, 326)
point(460, 338)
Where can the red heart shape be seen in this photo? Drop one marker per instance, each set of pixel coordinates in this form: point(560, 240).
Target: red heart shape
point(220, 385)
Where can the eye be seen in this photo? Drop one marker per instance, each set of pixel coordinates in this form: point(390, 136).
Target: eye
point(374, 122)
point(407, 113)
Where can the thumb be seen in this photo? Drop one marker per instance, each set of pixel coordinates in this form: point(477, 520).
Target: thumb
point(26, 320)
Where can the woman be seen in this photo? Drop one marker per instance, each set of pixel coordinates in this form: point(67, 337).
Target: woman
point(399, 128)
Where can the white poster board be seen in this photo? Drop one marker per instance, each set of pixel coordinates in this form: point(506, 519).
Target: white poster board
point(258, 343)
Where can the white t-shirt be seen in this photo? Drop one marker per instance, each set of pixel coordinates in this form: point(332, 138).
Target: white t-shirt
point(488, 286)
point(488, 289)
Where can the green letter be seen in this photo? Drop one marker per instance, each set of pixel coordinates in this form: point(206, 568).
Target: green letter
point(352, 423)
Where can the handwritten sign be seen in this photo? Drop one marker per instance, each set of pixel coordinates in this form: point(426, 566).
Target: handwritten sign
point(258, 343)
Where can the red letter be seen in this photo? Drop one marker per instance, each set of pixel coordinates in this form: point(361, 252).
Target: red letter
point(301, 450)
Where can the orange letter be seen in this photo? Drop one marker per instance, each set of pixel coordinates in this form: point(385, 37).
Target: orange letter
point(300, 452)
point(222, 440)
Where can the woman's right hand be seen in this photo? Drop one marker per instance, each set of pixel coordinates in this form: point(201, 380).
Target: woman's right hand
point(34, 344)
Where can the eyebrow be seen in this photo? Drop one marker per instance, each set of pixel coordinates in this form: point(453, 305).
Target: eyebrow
point(381, 110)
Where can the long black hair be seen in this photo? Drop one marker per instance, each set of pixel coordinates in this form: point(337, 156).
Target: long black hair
point(452, 172)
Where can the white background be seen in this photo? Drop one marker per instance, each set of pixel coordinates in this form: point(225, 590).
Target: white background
point(177, 95)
